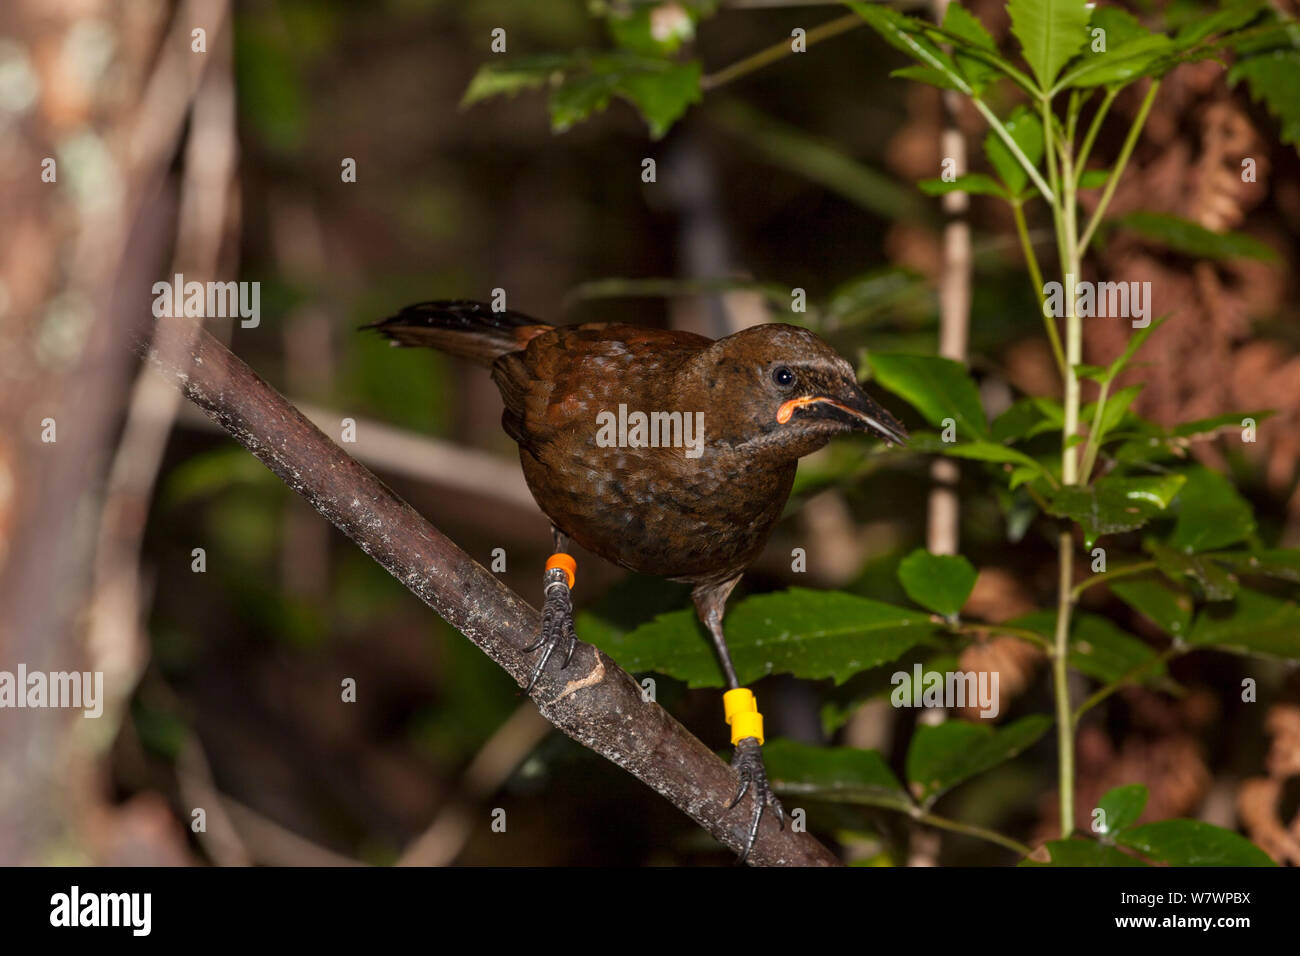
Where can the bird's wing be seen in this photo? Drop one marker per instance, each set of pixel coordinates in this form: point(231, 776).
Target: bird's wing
point(567, 375)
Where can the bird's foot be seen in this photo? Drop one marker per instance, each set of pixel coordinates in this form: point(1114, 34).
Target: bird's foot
point(748, 762)
point(557, 623)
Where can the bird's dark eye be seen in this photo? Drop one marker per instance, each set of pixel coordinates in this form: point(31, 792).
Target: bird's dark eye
point(783, 376)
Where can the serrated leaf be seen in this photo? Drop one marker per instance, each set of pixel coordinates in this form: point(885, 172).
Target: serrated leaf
point(810, 634)
point(1121, 808)
point(1097, 647)
point(1193, 843)
point(938, 388)
point(1217, 583)
point(1273, 78)
point(1083, 853)
point(1168, 608)
point(1192, 239)
point(961, 22)
point(938, 582)
point(1230, 16)
point(839, 774)
point(1276, 563)
point(1121, 26)
point(908, 35)
point(1113, 505)
point(977, 184)
point(1026, 131)
point(1119, 65)
point(940, 757)
point(1050, 32)
point(583, 83)
point(1211, 514)
point(1252, 623)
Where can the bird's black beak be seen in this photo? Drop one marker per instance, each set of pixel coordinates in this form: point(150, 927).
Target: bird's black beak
point(857, 409)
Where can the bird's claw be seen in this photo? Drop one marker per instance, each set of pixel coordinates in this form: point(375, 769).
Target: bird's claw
point(748, 763)
point(557, 624)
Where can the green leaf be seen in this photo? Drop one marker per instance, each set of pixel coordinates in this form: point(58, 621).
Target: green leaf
point(1094, 178)
point(961, 22)
point(930, 443)
point(1083, 853)
point(1252, 623)
point(939, 582)
point(634, 29)
point(1117, 405)
point(1097, 647)
point(1230, 16)
point(583, 83)
point(908, 35)
point(1112, 505)
point(1193, 843)
point(1168, 608)
point(810, 634)
point(1209, 427)
point(1189, 238)
point(1119, 65)
point(1217, 583)
point(1121, 26)
point(818, 160)
point(1026, 131)
point(840, 703)
point(1024, 419)
point(977, 184)
point(1121, 807)
point(940, 757)
point(1284, 564)
point(1211, 514)
point(924, 74)
point(1274, 79)
point(939, 388)
point(1135, 342)
point(1050, 32)
point(840, 774)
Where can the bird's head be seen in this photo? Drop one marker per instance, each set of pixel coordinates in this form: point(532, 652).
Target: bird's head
point(782, 388)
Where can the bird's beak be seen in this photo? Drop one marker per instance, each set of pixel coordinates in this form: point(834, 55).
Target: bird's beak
point(859, 411)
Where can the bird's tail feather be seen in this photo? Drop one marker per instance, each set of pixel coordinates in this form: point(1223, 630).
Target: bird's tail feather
point(469, 330)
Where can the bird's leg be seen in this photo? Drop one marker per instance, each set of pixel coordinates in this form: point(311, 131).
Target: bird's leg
point(742, 715)
point(557, 608)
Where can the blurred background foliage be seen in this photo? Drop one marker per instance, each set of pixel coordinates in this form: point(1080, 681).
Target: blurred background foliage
point(799, 175)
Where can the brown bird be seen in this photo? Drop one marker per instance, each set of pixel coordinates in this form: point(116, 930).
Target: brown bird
point(662, 451)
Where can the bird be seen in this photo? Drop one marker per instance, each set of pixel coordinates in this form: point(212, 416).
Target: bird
point(662, 451)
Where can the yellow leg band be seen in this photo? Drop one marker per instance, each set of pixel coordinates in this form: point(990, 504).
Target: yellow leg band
point(565, 563)
point(741, 710)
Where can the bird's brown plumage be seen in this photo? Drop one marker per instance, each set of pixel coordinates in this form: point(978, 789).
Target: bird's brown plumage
point(656, 510)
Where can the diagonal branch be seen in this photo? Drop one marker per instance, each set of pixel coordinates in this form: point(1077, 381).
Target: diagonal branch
point(593, 701)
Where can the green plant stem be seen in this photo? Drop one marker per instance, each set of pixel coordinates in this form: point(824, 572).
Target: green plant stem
point(1101, 576)
point(1129, 142)
point(970, 829)
point(1094, 435)
point(1024, 633)
point(779, 51)
point(1093, 129)
point(1036, 277)
point(1170, 652)
point(1061, 686)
